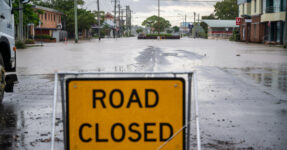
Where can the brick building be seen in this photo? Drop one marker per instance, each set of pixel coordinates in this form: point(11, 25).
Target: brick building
point(262, 20)
point(220, 29)
point(50, 23)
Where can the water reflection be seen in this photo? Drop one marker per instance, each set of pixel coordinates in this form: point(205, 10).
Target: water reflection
point(275, 78)
point(8, 123)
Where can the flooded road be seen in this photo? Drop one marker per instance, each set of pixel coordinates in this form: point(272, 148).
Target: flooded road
point(242, 88)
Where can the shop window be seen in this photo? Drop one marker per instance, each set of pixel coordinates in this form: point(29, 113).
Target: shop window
point(283, 5)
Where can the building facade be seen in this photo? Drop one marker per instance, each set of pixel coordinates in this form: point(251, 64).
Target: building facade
point(50, 23)
point(262, 20)
point(220, 29)
point(273, 19)
point(184, 27)
point(50, 20)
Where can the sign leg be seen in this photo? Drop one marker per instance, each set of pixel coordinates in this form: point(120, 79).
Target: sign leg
point(189, 110)
point(63, 111)
point(54, 111)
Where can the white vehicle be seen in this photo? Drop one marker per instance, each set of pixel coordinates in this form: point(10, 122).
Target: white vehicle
point(7, 48)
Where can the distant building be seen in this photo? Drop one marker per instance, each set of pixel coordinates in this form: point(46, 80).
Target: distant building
point(109, 21)
point(220, 28)
point(185, 27)
point(50, 23)
point(262, 20)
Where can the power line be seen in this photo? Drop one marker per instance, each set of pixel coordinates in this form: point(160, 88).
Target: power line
point(196, 1)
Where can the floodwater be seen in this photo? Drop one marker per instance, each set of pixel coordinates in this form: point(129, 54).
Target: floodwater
point(241, 88)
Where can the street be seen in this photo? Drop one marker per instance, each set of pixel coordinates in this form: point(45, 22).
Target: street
point(242, 88)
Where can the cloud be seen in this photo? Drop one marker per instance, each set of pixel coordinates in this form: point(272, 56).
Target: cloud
point(172, 10)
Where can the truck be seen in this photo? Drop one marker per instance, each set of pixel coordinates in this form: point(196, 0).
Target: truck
point(7, 49)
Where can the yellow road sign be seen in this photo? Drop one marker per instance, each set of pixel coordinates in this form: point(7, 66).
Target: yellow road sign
point(125, 113)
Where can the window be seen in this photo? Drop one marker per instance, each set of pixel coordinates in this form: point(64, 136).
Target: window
point(269, 6)
point(45, 16)
point(54, 17)
point(261, 7)
point(283, 5)
point(255, 3)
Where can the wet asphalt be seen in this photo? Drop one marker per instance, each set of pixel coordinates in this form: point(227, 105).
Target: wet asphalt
point(241, 88)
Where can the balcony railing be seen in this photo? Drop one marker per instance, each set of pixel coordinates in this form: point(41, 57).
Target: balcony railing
point(272, 9)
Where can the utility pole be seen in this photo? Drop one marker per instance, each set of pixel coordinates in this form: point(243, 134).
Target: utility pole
point(158, 16)
point(198, 18)
point(122, 22)
point(285, 39)
point(115, 16)
point(127, 26)
point(194, 15)
point(129, 20)
point(119, 7)
point(20, 29)
point(99, 20)
point(185, 23)
point(76, 20)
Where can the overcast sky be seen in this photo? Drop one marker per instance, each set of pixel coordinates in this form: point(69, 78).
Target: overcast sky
point(172, 10)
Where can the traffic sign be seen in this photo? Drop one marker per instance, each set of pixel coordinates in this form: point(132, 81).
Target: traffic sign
point(125, 113)
point(238, 20)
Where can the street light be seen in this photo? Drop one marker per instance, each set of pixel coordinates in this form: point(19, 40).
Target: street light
point(76, 20)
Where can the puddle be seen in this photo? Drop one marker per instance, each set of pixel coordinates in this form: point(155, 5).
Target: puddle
point(218, 144)
point(189, 55)
point(275, 79)
point(8, 123)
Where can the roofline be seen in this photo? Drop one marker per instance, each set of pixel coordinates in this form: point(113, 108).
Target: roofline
point(233, 26)
point(48, 9)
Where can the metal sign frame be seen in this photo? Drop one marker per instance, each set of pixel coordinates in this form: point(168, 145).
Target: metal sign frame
point(191, 88)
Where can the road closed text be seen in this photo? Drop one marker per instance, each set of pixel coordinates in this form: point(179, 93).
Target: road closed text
point(116, 100)
point(147, 128)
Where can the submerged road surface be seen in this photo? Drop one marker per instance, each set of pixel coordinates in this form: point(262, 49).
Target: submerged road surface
point(242, 88)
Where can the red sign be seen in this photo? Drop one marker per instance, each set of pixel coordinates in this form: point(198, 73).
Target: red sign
point(269, 23)
point(238, 20)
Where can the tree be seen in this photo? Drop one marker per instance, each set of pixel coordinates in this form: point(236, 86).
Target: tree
point(211, 16)
point(106, 30)
point(85, 18)
point(175, 29)
point(30, 16)
point(158, 23)
point(227, 9)
point(169, 31)
point(139, 30)
point(102, 16)
point(204, 26)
